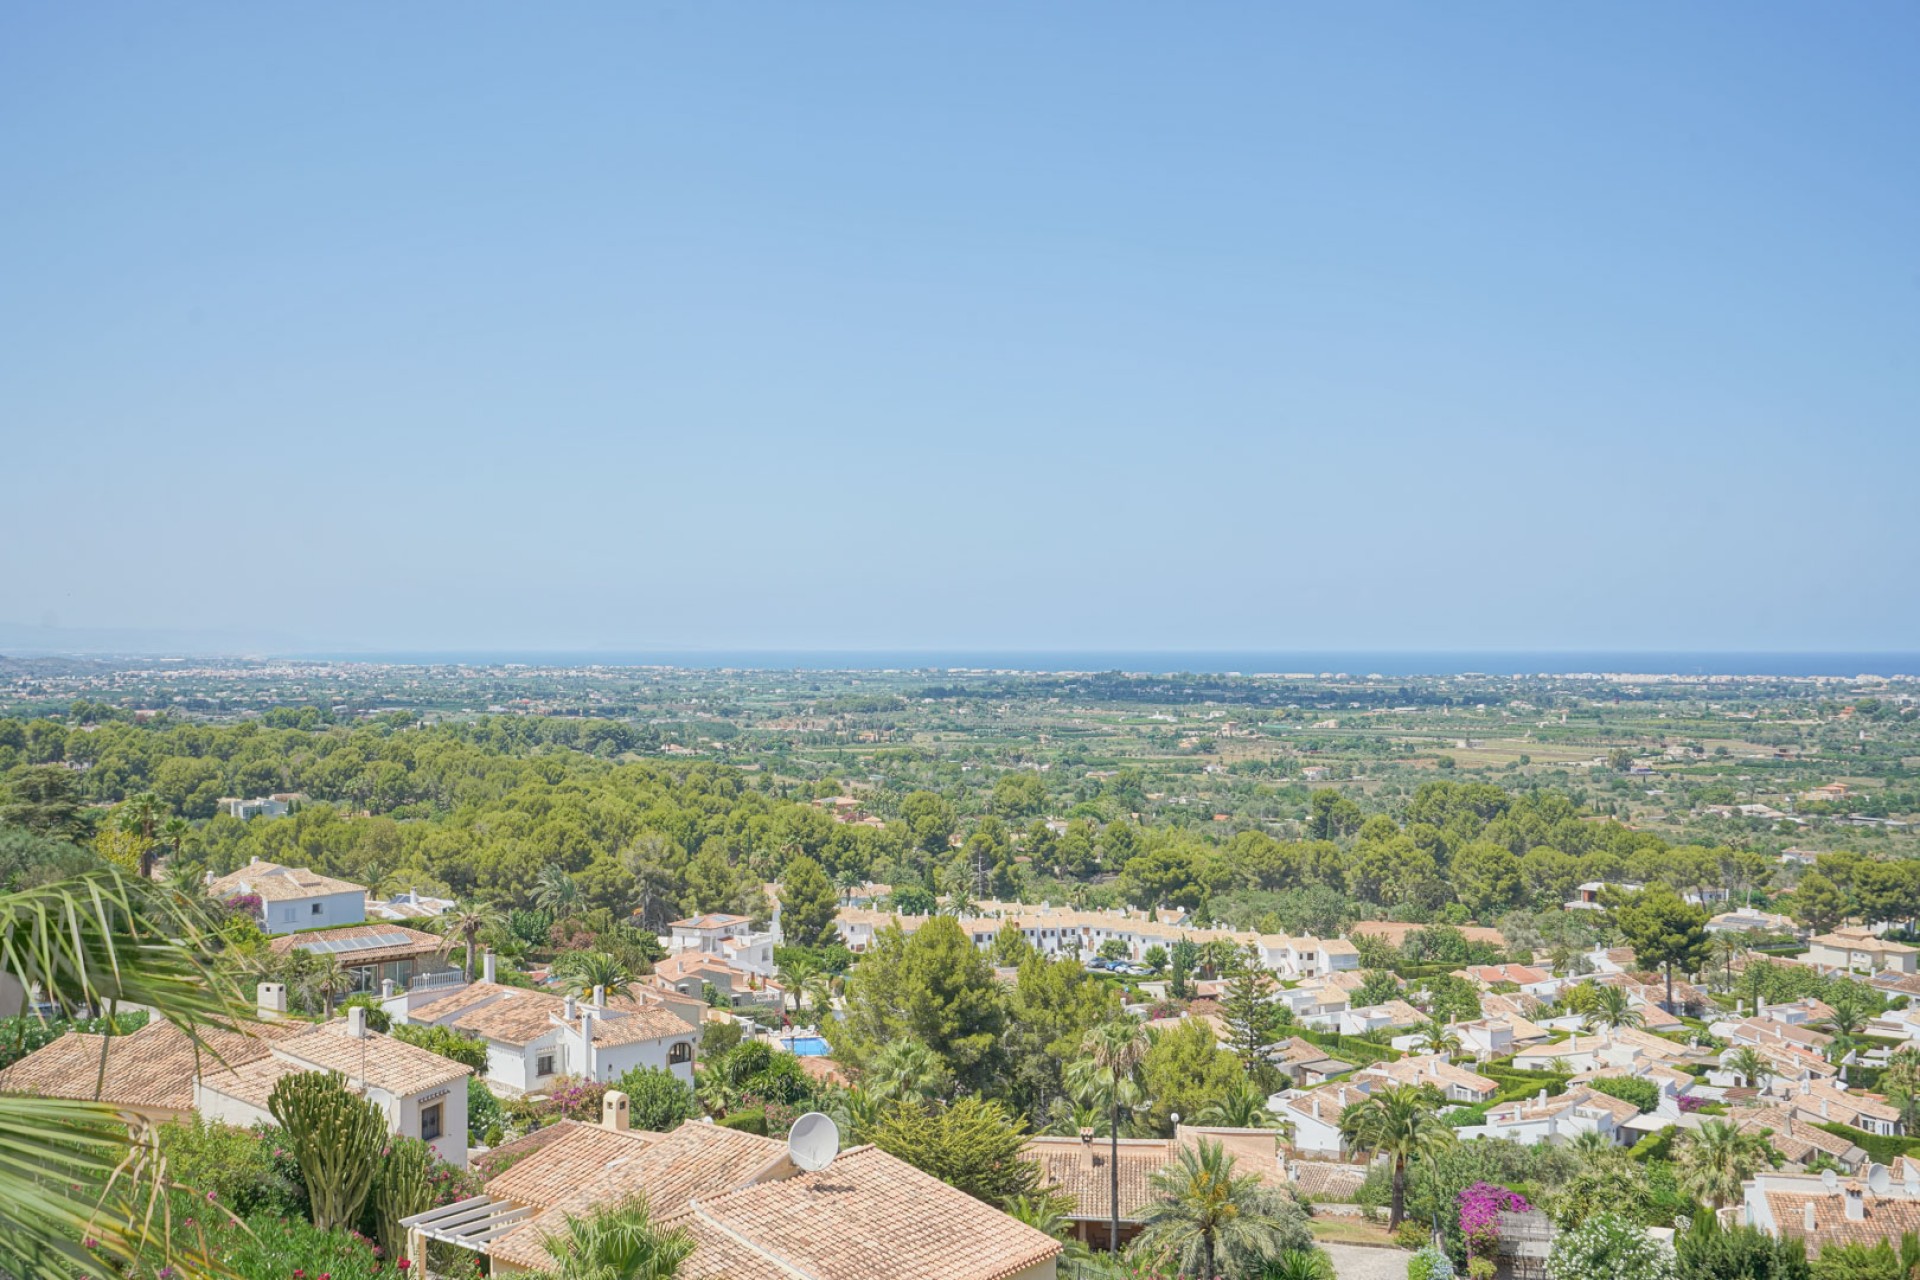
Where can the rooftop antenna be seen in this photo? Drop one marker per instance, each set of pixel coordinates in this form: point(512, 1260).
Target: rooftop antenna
point(1829, 1179)
point(813, 1142)
point(1879, 1181)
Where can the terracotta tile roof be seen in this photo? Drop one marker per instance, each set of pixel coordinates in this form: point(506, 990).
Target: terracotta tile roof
point(153, 1067)
point(872, 1215)
point(688, 963)
point(380, 1061)
point(696, 1159)
point(1433, 1069)
point(253, 1083)
point(711, 920)
point(1796, 1139)
point(416, 943)
point(474, 993)
point(1082, 1170)
point(1396, 933)
point(644, 1023)
point(516, 1018)
point(497, 1160)
point(271, 882)
point(571, 1156)
point(1885, 1218)
point(1327, 1179)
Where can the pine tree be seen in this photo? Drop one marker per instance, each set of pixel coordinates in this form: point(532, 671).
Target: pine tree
point(808, 905)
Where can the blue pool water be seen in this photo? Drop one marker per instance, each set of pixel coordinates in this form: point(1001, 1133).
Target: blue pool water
point(806, 1046)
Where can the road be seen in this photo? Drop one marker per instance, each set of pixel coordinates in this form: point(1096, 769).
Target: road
point(1357, 1262)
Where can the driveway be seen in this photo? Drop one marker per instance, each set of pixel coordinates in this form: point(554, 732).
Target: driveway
point(1357, 1262)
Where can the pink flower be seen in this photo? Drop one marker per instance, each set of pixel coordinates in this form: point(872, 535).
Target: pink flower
point(404, 1263)
point(211, 1197)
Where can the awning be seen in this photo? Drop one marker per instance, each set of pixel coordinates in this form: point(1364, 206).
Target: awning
point(469, 1223)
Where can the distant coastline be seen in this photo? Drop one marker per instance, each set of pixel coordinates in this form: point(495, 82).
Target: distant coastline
point(1243, 662)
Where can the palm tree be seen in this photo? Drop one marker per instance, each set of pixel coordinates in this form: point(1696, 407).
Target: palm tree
point(1612, 1009)
point(1752, 1069)
point(1901, 1083)
point(1848, 1017)
point(73, 1170)
point(1048, 1214)
point(175, 831)
point(619, 1242)
point(325, 980)
point(796, 971)
point(581, 971)
point(1726, 948)
point(1401, 1122)
point(907, 1069)
point(1243, 1106)
point(1714, 1160)
point(556, 892)
point(1436, 1038)
point(1213, 1221)
point(1589, 1143)
point(465, 925)
point(140, 815)
point(1108, 1071)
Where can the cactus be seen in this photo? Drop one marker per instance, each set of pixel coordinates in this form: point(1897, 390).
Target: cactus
point(336, 1139)
point(399, 1190)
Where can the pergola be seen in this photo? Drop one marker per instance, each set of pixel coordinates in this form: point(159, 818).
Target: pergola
point(469, 1223)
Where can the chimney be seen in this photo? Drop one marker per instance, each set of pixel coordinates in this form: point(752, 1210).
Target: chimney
point(569, 1009)
point(271, 997)
point(1543, 1095)
point(357, 1022)
point(613, 1111)
point(599, 997)
point(1856, 1201)
point(1086, 1136)
point(386, 988)
point(1807, 1219)
point(1823, 1109)
point(487, 970)
point(1316, 1108)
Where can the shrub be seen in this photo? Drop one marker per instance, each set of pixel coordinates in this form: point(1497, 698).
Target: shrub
point(486, 1118)
point(754, 1121)
point(1429, 1264)
point(1708, 1251)
point(1608, 1247)
point(21, 1036)
point(469, 1051)
point(657, 1099)
point(1644, 1094)
point(576, 1099)
point(274, 1248)
point(244, 1170)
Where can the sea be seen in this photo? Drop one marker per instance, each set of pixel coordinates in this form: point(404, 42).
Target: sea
point(1197, 662)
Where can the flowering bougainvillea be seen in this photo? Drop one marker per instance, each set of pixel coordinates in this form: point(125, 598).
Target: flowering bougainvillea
point(1480, 1208)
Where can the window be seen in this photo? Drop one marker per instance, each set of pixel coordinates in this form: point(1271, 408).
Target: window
point(544, 1065)
point(682, 1052)
point(430, 1121)
point(318, 908)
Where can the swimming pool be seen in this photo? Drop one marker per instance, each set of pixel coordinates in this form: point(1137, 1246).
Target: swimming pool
point(806, 1046)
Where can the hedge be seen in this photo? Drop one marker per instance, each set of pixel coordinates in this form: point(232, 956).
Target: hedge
point(1347, 1048)
point(1881, 1150)
point(754, 1121)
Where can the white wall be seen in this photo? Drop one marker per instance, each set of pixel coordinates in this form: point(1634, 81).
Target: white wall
point(335, 909)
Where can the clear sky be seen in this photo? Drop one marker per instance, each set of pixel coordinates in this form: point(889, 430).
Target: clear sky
point(1034, 325)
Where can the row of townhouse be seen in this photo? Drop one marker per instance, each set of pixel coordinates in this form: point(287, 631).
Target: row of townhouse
point(1061, 931)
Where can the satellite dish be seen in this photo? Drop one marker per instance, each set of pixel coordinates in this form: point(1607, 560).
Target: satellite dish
point(1829, 1179)
point(1879, 1181)
point(813, 1142)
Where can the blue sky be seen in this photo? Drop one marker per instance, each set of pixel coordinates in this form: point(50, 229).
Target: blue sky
point(1022, 326)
